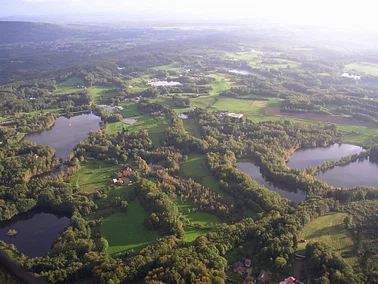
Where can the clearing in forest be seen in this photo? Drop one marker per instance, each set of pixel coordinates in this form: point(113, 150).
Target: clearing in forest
point(330, 229)
point(126, 230)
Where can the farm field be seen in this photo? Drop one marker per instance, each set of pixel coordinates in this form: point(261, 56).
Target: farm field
point(330, 229)
point(365, 67)
point(126, 230)
point(100, 93)
point(94, 175)
point(195, 169)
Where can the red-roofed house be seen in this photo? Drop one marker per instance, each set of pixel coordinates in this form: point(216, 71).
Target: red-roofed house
point(127, 181)
point(128, 172)
point(290, 280)
point(238, 267)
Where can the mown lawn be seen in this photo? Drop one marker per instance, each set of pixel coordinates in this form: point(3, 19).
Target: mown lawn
point(155, 126)
point(70, 85)
point(94, 175)
point(330, 229)
point(191, 126)
point(194, 168)
point(189, 211)
point(126, 231)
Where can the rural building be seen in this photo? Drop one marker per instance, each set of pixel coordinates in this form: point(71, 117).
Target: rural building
point(128, 172)
point(264, 276)
point(235, 115)
point(183, 116)
point(247, 262)
point(238, 267)
point(127, 181)
point(290, 280)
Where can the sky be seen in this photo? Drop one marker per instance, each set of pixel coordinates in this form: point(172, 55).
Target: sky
point(336, 13)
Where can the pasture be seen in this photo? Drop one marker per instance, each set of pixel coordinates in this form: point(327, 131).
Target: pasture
point(330, 229)
point(125, 231)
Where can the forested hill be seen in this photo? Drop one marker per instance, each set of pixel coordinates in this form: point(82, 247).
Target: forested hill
point(17, 32)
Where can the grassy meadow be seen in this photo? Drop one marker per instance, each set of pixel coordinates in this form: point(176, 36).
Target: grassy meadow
point(70, 85)
point(94, 175)
point(191, 127)
point(365, 67)
point(125, 231)
point(330, 229)
point(194, 168)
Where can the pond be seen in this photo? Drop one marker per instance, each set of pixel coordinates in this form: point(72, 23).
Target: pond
point(239, 71)
point(312, 157)
point(254, 172)
point(66, 133)
point(164, 83)
point(36, 231)
point(362, 172)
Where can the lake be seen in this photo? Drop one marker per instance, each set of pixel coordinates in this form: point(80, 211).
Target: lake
point(66, 133)
point(254, 172)
point(164, 83)
point(362, 172)
point(36, 231)
point(313, 157)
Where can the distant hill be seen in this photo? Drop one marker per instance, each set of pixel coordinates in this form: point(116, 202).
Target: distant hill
point(18, 32)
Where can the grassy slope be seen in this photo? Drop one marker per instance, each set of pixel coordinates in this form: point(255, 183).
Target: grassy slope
point(246, 107)
point(330, 230)
point(194, 168)
point(94, 175)
point(99, 93)
point(191, 126)
point(125, 231)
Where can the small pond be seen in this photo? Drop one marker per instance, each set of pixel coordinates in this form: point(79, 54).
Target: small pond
point(66, 133)
point(313, 157)
point(36, 231)
point(254, 172)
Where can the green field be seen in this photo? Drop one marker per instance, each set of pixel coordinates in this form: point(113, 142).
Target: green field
point(155, 125)
point(246, 107)
point(191, 126)
point(221, 84)
point(365, 67)
point(190, 212)
point(194, 168)
point(129, 109)
point(101, 93)
point(70, 85)
point(94, 175)
point(125, 231)
point(330, 229)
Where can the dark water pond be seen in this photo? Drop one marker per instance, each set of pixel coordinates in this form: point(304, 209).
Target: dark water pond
point(254, 172)
point(36, 231)
point(66, 133)
point(362, 172)
point(312, 157)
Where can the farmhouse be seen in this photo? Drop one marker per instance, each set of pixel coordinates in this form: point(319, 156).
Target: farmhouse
point(127, 172)
point(290, 280)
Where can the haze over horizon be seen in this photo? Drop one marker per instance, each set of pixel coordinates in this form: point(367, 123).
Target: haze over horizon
point(334, 14)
